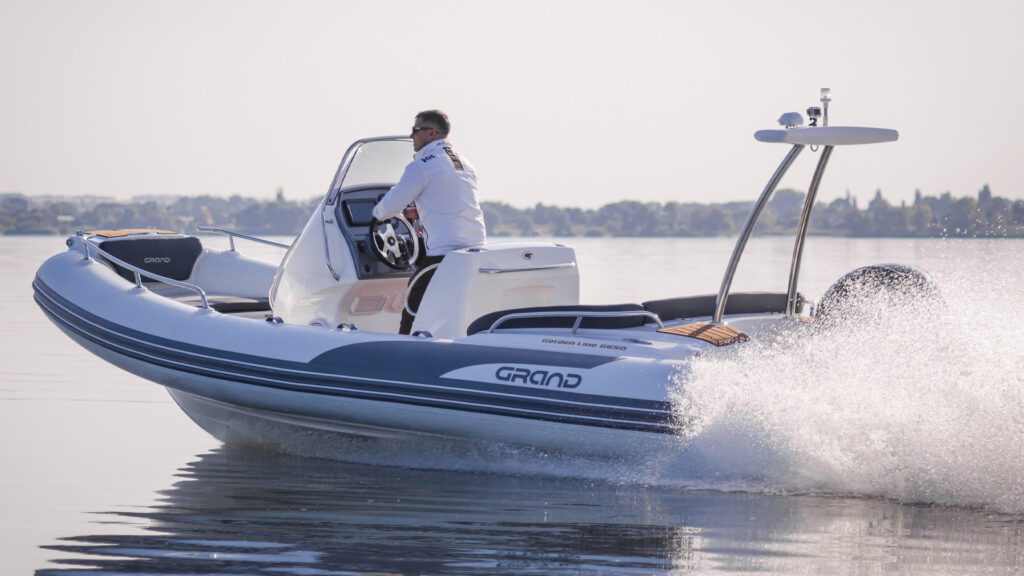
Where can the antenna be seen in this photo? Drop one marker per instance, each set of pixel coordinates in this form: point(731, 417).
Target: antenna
point(826, 97)
point(815, 112)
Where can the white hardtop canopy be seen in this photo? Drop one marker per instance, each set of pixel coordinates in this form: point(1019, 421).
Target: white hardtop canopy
point(827, 135)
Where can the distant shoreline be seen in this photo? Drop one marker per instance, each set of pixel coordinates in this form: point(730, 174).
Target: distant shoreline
point(984, 216)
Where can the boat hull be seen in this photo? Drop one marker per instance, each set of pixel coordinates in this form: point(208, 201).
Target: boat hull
point(238, 377)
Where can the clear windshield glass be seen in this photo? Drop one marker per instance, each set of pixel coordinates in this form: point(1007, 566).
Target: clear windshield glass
point(378, 162)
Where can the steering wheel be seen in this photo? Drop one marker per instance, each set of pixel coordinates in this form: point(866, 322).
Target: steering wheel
point(394, 242)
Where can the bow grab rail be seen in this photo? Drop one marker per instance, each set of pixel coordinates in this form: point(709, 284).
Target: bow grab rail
point(231, 234)
point(139, 272)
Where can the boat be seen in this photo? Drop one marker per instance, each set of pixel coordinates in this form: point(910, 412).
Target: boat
point(502, 350)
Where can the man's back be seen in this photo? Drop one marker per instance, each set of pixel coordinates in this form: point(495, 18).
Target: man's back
point(448, 205)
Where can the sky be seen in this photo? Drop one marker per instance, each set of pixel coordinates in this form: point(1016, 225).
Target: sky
point(571, 103)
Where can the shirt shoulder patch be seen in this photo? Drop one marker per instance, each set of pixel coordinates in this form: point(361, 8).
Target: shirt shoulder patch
point(453, 157)
point(427, 158)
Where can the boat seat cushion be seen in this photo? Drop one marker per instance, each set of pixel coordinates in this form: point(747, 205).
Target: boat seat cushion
point(738, 303)
point(240, 305)
point(484, 322)
point(172, 257)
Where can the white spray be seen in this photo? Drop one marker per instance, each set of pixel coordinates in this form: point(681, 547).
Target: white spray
point(917, 402)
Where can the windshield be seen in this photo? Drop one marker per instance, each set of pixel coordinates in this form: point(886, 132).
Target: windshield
point(375, 162)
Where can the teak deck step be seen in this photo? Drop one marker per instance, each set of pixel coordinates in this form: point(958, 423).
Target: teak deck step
point(717, 334)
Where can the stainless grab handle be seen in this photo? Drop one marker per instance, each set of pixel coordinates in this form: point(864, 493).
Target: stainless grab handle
point(231, 234)
point(527, 268)
point(580, 315)
point(140, 272)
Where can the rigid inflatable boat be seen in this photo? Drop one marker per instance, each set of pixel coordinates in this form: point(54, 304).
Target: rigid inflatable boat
point(501, 351)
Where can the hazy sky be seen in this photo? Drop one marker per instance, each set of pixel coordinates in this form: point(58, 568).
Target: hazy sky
point(571, 103)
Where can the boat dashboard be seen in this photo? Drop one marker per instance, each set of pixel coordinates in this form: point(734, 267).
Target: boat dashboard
point(353, 214)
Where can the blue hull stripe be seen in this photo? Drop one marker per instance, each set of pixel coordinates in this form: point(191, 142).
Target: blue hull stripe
point(368, 374)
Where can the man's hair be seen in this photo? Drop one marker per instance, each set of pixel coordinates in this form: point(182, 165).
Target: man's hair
point(436, 118)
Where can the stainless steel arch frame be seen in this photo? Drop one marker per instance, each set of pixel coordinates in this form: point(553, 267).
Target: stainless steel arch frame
point(748, 228)
point(801, 232)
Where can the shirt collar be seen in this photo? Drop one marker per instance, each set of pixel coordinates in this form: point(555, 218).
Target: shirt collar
point(429, 148)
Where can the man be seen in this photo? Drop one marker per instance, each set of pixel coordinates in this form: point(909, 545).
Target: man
point(443, 186)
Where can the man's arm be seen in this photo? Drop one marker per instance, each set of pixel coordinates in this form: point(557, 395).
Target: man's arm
point(406, 191)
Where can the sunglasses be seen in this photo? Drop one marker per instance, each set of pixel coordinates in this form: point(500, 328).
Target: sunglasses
point(416, 129)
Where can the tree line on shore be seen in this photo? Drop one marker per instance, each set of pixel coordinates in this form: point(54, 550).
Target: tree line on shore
point(928, 216)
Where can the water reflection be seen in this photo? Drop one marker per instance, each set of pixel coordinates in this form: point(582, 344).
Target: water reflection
point(240, 510)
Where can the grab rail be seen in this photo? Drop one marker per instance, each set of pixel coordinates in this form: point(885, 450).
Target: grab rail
point(413, 282)
point(579, 314)
point(527, 268)
point(231, 234)
point(139, 272)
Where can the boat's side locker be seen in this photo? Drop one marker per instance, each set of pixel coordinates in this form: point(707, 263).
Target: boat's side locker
point(475, 281)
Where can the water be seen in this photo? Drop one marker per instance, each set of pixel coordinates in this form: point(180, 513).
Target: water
point(890, 444)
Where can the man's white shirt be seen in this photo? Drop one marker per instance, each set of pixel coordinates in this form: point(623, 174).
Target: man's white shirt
point(443, 185)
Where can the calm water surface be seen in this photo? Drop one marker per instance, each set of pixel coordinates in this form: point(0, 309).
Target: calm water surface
point(896, 450)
